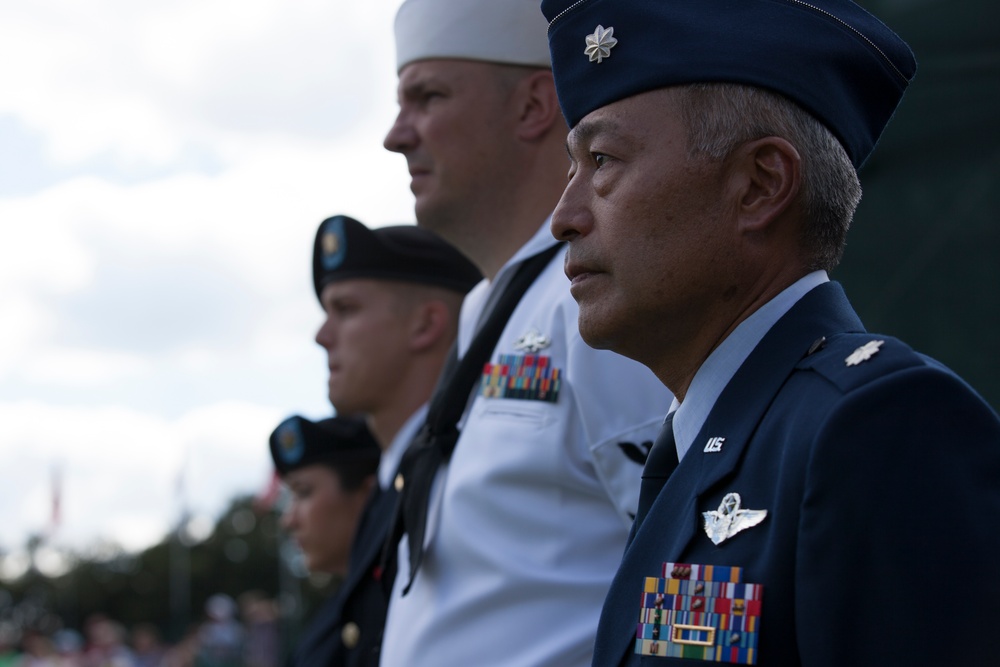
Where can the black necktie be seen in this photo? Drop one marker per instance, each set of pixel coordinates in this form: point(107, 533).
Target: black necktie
point(661, 462)
point(436, 440)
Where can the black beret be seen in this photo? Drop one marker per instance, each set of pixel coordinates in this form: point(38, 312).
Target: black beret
point(831, 57)
point(345, 249)
point(298, 442)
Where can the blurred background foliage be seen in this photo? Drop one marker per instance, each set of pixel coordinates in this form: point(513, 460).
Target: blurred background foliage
point(245, 555)
point(922, 257)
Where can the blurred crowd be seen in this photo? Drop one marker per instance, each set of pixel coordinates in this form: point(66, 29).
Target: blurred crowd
point(231, 634)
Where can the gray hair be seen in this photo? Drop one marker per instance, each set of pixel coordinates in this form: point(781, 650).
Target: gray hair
point(722, 116)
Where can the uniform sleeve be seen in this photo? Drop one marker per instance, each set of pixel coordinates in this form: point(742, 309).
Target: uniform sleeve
point(899, 542)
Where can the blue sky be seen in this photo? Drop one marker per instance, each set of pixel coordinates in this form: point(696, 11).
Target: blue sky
point(163, 168)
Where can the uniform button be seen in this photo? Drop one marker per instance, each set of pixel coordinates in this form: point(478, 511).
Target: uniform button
point(399, 482)
point(350, 635)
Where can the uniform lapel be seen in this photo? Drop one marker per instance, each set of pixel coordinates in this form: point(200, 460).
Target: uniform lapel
point(822, 312)
point(370, 537)
point(320, 639)
point(653, 544)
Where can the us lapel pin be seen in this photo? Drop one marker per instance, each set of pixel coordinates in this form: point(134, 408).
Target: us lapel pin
point(714, 445)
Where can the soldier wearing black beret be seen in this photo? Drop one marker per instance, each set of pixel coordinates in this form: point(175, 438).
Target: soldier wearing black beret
point(329, 467)
point(345, 249)
point(818, 491)
point(391, 296)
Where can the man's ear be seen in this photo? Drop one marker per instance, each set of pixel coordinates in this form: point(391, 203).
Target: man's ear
point(767, 174)
point(538, 106)
point(428, 324)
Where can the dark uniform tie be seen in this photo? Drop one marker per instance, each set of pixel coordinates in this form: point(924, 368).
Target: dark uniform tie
point(436, 440)
point(661, 462)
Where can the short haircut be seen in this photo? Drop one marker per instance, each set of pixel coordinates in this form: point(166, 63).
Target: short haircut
point(352, 474)
point(720, 117)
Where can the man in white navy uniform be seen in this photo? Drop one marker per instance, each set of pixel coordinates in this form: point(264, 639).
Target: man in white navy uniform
point(821, 496)
point(528, 519)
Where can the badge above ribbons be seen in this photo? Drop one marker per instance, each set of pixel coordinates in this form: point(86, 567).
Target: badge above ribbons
point(704, 612)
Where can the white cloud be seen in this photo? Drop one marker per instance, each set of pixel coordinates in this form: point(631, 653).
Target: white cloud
point(143, 81)
point(40, 246)
point(119, 467)
point(24, 321)
point(186, 262)
point(156, 305)
point(81, 368)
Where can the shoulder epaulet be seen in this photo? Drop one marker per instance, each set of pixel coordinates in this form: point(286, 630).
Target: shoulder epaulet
point(850, 360)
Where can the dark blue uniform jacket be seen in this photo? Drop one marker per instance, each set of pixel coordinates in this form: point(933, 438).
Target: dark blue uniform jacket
point(881, 482)
point(361, 602)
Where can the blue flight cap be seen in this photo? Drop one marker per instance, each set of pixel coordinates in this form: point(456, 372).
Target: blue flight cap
point(831, 57)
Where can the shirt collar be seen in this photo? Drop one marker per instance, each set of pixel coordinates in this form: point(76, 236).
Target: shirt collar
point(722, 364)
point(389, 462)
point(476, 300)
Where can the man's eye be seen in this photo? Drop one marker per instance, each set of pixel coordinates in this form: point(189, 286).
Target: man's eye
point(599, 159)
point(342, 308)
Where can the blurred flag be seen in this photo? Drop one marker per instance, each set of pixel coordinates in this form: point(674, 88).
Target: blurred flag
point(180, 492)
point(56, 517)
point(268, 496)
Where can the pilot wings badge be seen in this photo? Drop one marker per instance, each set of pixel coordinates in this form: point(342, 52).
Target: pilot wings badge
point(729, 519)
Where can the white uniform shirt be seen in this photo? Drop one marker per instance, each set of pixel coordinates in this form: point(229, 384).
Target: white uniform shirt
point(528, 523)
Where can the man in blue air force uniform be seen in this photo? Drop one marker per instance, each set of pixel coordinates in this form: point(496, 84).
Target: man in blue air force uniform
point(837, 497)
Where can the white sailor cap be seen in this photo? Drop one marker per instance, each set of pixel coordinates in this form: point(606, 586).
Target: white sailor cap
point(510, 32)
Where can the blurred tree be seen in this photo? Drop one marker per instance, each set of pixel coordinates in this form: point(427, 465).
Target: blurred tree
point(921, 261)
point(241, 554)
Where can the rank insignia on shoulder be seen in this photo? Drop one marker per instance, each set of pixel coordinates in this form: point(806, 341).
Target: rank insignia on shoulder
point(864, 353)
point(703, 612)
point(528, 377)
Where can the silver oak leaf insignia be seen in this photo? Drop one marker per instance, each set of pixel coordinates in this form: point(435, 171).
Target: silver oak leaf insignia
point(864, 353)
point(600, 43)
